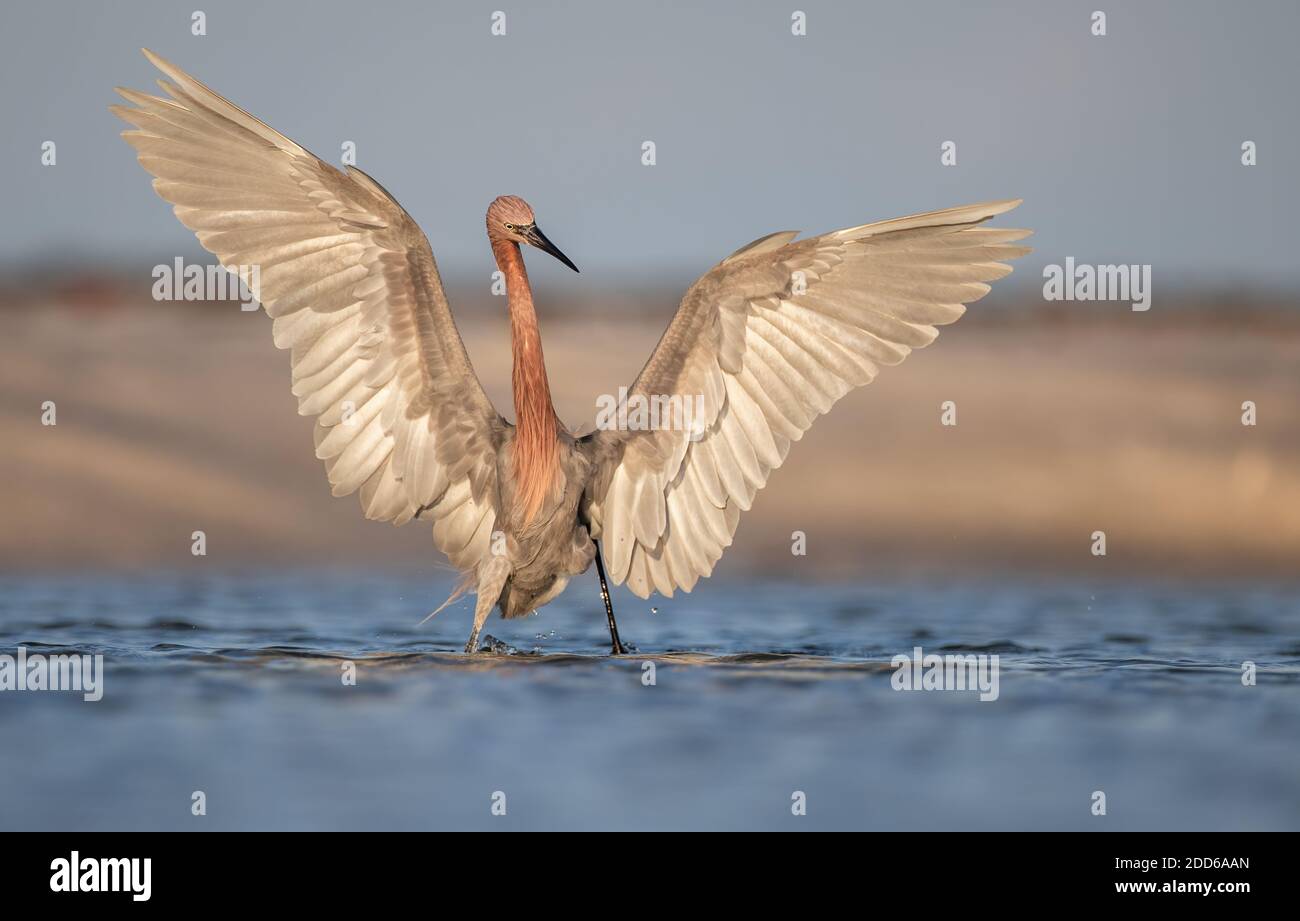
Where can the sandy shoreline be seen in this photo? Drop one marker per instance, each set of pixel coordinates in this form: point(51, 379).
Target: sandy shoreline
point(178, 417)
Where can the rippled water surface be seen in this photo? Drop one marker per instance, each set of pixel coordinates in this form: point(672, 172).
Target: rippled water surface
point(231, 684)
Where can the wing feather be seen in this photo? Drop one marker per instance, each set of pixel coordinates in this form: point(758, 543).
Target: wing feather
point(768, 340)
point(355, 297)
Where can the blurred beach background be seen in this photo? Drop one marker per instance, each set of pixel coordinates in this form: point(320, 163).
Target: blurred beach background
point(177, 417)
point(1120, 672)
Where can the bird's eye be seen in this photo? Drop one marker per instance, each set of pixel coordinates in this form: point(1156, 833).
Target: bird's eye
point(510, 227)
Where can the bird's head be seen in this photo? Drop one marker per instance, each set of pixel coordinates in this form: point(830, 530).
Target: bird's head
point(510, 219)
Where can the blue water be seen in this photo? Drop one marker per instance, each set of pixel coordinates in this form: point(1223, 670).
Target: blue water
point(231, 684)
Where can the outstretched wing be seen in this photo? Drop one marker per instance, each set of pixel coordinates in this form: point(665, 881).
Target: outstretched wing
point(761, 345)
point(354, 292)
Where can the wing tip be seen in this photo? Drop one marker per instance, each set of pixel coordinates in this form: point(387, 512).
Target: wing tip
point(158, 61)
point(958, 216)
point(988, 209)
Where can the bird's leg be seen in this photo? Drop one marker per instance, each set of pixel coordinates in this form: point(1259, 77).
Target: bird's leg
point(492, 576)
point(471, 647)
point(617, 644)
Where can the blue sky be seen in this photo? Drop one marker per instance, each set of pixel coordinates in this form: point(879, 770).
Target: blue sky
point(1126, 147)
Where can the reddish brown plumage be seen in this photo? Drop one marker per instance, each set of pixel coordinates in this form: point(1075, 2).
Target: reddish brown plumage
point(535, 454)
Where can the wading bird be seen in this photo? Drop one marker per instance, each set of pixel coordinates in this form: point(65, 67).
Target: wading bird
point(763, 343)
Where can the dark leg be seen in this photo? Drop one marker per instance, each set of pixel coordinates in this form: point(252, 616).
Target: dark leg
point(618, 648)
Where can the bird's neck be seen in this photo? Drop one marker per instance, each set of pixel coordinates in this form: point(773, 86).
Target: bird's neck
point(536, 457)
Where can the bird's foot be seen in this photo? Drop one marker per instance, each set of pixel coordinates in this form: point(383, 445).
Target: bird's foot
point(490, 646)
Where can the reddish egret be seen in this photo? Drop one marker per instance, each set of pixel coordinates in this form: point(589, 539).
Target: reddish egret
point(766, 341)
